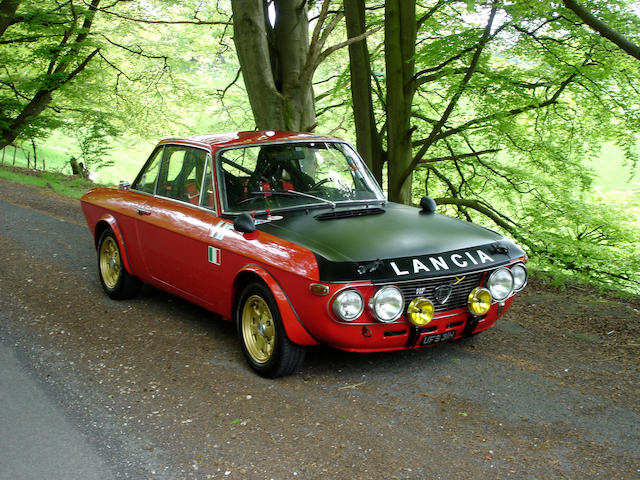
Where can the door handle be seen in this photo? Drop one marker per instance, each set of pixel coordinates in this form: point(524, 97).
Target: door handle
point(143, 212)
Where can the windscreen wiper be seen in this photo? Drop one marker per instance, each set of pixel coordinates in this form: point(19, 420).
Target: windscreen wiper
point(294, 193)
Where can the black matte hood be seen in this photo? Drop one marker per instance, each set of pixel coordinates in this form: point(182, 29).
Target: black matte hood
point(392, 242)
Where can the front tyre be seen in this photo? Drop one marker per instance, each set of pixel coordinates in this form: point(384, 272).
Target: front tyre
point(265, 344)
point(116, 281)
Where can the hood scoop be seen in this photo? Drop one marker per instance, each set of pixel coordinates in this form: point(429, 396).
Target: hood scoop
point(362, 212)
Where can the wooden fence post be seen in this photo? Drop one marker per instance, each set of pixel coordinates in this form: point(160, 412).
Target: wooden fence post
point(14, 155)
point(35, 155)
point(3, 152)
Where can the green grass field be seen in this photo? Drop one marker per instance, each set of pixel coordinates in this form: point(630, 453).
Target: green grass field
point(612, 173)
point(57, 152)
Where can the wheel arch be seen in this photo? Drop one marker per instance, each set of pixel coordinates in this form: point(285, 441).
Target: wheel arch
point(109, 221)
point(293, 326)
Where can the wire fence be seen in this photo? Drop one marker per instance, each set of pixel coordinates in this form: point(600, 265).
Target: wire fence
point(20, 156)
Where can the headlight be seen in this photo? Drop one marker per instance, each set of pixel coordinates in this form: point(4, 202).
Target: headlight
point(520, 276)
point(479, 301)
point(348, 305)
point(500, 284)
point(420, 311)
point(387, 304)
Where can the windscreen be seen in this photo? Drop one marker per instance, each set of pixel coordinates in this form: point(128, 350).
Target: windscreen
point(290, 175)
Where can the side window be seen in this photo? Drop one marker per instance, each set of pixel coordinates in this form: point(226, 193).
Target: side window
point(146, 181)
point(181, 173)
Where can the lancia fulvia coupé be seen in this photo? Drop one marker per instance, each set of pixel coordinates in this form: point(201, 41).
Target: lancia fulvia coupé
point(289, 236)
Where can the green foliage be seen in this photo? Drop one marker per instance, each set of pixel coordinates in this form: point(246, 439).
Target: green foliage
point(546, 94)
point(93, 144)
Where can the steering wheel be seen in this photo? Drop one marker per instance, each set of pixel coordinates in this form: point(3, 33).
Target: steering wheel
point(321, 182)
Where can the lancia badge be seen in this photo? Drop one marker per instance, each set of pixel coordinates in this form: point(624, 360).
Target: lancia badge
point(442, 293)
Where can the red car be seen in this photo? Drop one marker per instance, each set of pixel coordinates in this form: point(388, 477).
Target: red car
point(289, 236)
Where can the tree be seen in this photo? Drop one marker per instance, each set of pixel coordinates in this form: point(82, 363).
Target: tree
point(62, 58)
point(94, 69)
point(368, 141)
point(492, 109)
point(603, 28)
point(278, 59)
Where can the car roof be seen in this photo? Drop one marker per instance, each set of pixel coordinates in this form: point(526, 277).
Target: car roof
point(233, 139)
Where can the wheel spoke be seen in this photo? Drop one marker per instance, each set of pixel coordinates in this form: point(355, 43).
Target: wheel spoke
point(258, 329)
point(110, 263)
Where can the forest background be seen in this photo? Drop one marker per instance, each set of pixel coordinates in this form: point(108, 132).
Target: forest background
point(518, 115)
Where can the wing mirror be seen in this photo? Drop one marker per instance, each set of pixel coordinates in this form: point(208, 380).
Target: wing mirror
point(428, 205)
point(244, 223)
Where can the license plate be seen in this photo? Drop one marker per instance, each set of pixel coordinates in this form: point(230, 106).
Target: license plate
point(438, 338)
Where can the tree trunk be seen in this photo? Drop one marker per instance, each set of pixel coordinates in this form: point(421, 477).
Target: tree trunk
point(400, 42)
point(272, 60)
point(34, 108)
point(603, 29)
point(292, 48)
point(7, 14)
point(367, 137)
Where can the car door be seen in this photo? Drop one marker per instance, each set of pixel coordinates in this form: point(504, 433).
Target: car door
point(175, 224)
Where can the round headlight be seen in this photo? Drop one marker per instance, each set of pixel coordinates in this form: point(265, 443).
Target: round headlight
point(387, 304)
point(348, 305)
point(420, 311)
point(500, 284)
point(479, 301)
point(520, 276)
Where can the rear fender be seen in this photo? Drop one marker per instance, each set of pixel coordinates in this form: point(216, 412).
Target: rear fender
point(110, 221)
point(293, 326)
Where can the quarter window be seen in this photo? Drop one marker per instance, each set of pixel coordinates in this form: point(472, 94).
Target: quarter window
point(146, 181)
point(207, 198)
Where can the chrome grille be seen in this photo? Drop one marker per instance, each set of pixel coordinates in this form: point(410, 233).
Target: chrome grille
point(426, 288)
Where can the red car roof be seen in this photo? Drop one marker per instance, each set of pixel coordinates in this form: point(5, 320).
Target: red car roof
point(219, 140)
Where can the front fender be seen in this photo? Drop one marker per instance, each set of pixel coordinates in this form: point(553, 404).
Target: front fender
point(293, 325)
point(109, 220)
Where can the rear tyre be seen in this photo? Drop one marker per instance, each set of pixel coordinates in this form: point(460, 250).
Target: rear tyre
point(264, 341)
point(116, 281)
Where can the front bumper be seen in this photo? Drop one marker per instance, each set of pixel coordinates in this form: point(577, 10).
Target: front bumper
point(401, 335)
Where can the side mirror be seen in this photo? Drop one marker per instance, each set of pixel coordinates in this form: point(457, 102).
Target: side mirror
point(244, 223)
point(428, 204)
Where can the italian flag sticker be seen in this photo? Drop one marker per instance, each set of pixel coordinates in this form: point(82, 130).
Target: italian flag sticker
point(214, 255)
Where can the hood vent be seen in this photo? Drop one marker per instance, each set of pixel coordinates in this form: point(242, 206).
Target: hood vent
point(349, 213)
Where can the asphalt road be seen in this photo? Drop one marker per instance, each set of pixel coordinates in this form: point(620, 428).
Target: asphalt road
point(157, 388)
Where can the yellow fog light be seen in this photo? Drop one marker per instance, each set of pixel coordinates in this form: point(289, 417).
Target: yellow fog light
point(479, 301)
point(420, 311)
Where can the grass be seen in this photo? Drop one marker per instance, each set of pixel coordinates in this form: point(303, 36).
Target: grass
point(612, 173)
point(127, 158)
point(69, 186)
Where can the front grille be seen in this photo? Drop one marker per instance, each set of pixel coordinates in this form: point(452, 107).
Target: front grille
point(426, 288)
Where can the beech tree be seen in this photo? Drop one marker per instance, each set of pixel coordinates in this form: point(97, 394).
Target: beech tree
point(603, 28)
point(80, 66)
point(492, 108)
point(279, 51)
point(62, 58)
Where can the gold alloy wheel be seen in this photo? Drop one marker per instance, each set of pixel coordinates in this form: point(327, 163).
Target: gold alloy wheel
point(258, 329)
point(110, 263)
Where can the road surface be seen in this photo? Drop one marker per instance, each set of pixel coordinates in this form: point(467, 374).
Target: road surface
point(157, 388)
